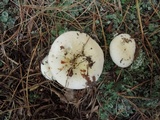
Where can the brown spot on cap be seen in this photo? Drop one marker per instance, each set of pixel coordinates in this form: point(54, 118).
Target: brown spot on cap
point(61, 47)
point(63, 62)
point(78, 34)
point(70, 72)
point(121, 60)
point(83, 70)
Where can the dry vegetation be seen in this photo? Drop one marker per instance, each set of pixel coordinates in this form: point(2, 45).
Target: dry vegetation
point(30, 28)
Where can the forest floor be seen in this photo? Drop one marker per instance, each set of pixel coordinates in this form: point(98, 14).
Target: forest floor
point(27, 30)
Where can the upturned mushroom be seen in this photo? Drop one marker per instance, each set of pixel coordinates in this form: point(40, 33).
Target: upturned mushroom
point(122, 49)
point(75, 60)
point(45, 69)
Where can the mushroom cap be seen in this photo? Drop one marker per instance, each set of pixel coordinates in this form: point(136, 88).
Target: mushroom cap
point(45, 69)
point(122, 50)
point(75, 60)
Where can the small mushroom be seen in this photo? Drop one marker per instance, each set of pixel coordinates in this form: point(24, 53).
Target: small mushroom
point(75, 60)
point(122, 50)
point(45, 69)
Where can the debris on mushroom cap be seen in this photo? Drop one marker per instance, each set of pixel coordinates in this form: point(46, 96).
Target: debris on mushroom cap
point(76, 60)
point(122, 50)
point(45, 69)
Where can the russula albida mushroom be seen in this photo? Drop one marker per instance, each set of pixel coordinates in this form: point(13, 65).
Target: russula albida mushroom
point(122, 49)
point(75, 60)
point(45, 69)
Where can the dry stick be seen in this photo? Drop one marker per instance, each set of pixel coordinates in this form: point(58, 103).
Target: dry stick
point(124, 17)
point(77, 3)
point(140, 21)
point(17, 108)
point(103, 33)
point(22, 82)
point(94, 24)
point(21, 24)
point(89, 6)
point(135, 87)
point(135, 107)
point(20, 11)
point(154, 32)
point(70, 16)
point(11, 77)
point(16, 32)
point(16, 88)
point(34, 52)
point(118, 5)
point(141, 28)
point(119, 75)
point(4, 53)
point(35, 86)
point(153, 52)
point(134, 97)
point(59, 94)
point(73, 19)
point(41, 108)
point(155, 10)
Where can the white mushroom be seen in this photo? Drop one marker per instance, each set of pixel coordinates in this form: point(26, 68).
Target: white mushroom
point(75, 60)
point(45, 69)
point(122, 50)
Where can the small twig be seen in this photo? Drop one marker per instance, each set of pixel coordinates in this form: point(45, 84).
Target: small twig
point(135, 106)
point(134, 97)
point(140, 21)
point(73, 18)
point(103, 33)
point(89, 6)
point(135, 87)
point(155, 9)
point(4, 53)
point(27, 100)
point(119, 75)
point(124, 17)
point(17, 108)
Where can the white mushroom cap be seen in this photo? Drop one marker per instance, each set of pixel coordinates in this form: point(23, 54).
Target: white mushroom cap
point(122, 50)
point(75, 60)
point(45, 69)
